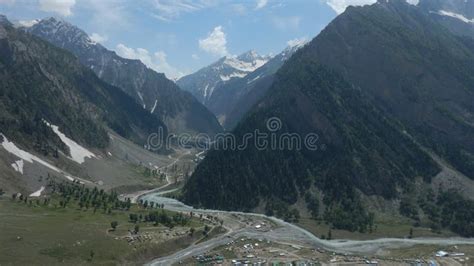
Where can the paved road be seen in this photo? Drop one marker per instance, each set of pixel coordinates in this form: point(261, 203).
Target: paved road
point(283, 233)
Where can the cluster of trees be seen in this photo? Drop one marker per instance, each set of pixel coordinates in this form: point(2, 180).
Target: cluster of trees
point(365, 151)
point(86, 197)
point(329, 235)
point(281, 210)
point(148, 172)
point(462, 159)
point(448, 210)
point(22, 198)
point(456, 213)
point(160, 217)
point(312, 203)
point(149, 205)
point(350, 216)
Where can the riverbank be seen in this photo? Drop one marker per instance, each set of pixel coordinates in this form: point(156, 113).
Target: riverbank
point(286, 233)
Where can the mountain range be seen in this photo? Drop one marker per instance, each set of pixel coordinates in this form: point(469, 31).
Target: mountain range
point(230, 86)
point(41, 83)
point(232, 99)
point(177, 109)
point(387, 89)
point(206, 81)
point(375, 111)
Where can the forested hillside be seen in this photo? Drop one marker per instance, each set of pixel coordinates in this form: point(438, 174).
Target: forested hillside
point(376, 83)
point(39, 82)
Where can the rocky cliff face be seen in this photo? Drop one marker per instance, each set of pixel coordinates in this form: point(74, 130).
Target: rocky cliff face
point(40, 82)
point(206, 81)
point(178, 109)
point(233, 99)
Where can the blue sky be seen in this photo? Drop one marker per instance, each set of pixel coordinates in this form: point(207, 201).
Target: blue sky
point(180, 36)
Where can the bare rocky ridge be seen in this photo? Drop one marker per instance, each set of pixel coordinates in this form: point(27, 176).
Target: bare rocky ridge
point(178, 109)
point(205, 82)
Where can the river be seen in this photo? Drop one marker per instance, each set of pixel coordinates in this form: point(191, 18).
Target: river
point(283, 233)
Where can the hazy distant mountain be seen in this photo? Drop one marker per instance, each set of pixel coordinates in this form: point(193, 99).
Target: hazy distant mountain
point(456, 15)
point(232, 99)
point(376, 80)
point(205, 82)
point(178, 109)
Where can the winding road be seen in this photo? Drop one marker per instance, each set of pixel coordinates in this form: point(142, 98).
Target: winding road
point(284, 233)
point(134, 197)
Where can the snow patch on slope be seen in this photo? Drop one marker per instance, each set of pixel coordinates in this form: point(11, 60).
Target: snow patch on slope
point(141, 99)
point(455, 15)
point(154, 106)
point(26, 156)
point(78, 153)
point(245, 66)
point(254, 79)
point(37, 193)
point(13, 149)
point(18, 166)
point(233, 75)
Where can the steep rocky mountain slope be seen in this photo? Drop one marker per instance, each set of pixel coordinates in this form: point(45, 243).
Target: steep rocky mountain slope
point(57, 119)
point(376, 82)
point(413, 68)
point(178, 109)
point(456, 15)
point(41, 82)
point(205, 82)
point(231, 100)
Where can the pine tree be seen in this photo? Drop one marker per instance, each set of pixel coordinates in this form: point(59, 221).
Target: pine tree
point(114, 225)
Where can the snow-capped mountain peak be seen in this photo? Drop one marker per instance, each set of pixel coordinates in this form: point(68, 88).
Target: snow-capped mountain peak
point(203, 82)
point(61, 30)
point(292, 47)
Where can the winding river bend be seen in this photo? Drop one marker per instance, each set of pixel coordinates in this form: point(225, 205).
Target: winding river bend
point(284, 232)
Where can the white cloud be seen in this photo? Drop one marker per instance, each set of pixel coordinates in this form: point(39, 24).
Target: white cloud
point(27, 23)
point(261, 4)
point(195, 56)
point(95, 37)
point(168, 10)
point(156, 61)
point(340, 5)
point(215, 43)
point(286, 23)
point(61, 7)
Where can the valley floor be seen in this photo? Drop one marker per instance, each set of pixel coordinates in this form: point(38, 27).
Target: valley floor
point(33, 234)
point(50, 235)
point(287, 241)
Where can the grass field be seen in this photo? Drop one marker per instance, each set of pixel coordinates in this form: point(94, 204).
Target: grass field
point(42, 235)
